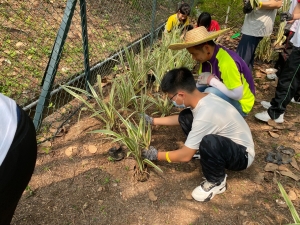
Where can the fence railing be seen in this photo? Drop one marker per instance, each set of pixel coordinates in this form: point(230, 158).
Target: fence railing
point(48, 43)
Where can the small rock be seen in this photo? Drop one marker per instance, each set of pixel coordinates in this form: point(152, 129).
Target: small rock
point(100, 202)
point(100, 189)
point(243, 213)
point(152, 196)
point(92, 148)
point(19, 44)
point(292, 195)
point(187, 194)
point(114, 184)
point(71, 151)
point(281, 203)
point(85, 205)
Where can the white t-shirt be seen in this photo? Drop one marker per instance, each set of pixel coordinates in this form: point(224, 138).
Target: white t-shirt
point(8, 124)
point(296, 38)
point(259, 22)
point(213, 115)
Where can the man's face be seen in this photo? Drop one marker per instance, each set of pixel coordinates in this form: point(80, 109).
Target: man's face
point(200, 55)
point(181, 17)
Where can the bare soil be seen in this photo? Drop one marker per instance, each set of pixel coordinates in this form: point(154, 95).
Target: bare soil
point(89, 188)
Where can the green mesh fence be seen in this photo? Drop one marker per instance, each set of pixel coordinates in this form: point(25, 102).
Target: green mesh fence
point(30, 28)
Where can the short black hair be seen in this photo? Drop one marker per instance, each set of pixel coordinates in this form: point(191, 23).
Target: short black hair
point(185, 9)
point(204, 20)
point(200, 46)
point(176, 79)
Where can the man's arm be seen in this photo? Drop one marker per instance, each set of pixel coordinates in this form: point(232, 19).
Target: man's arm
point(167, 121)
point(271, 4)
point(183, 154)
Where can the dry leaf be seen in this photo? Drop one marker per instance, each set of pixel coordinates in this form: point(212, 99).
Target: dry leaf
point(266, 127)
point(294, 163)
point(274, 135)
point(152, 196)
point(283, 168)
point(290, 174)
point(272, 123)
point(271, 167)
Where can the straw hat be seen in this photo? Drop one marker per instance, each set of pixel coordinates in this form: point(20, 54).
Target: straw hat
point(195, 37)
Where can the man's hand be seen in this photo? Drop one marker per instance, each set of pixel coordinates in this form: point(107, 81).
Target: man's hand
point(203, 78)
point(286, 16)
point(150, 153)
point(247, 7)
point(147, 118)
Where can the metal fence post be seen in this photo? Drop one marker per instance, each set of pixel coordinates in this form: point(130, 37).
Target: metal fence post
point(85, 42)
point(153, 21)
point(54, 62)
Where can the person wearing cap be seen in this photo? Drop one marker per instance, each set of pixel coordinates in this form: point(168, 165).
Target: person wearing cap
point(222, 71)
point(212, 126)
point(180, 19)
point(258, 23)
point(18, 152)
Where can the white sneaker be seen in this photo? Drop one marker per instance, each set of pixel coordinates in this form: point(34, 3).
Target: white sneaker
point(206, 191)
point(294, 101)
point(265, 104)
point(271, 76)
point(264, 116)
point(271, 70)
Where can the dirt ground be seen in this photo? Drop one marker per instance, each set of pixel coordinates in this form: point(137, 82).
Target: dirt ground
point(87, 187)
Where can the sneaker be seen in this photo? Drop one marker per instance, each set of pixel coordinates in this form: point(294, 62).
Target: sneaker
point(265, 104)
point(294, 101)
point(207, 190)
point(271, 76)
point(264, 116)
point(197, 155)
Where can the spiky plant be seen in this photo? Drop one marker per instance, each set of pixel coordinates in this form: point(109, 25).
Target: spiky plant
point(135, 137)
point(162, 104)
point(105, 110)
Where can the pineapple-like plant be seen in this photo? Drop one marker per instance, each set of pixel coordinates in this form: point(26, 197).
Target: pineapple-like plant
point(105, 110)
point(136, 137)
point(162, 104)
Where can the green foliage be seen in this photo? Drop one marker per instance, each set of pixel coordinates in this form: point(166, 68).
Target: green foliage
point(106, 109)
point(162, 103)
point(292, 209)
point(135, 137)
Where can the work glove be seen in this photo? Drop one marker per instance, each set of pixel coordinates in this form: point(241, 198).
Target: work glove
point(286, 16)
point(147, 118)
point(247, 7)
point(150, 153)
point(203, 78)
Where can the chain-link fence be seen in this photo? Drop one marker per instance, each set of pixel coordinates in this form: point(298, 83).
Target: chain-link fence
point(44, 37)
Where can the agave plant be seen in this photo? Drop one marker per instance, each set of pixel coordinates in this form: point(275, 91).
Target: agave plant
point(124, 91)
point(162, 104)
point(106, 109)
point(135, 137)
point(164, 59)
point(289, 204)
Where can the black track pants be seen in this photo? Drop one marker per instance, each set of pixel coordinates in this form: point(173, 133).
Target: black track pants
point(217, 152)
point(288, 84)
point(17, 167)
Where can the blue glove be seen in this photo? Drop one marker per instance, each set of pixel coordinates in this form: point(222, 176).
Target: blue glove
point(150, 153)
point(147, 118)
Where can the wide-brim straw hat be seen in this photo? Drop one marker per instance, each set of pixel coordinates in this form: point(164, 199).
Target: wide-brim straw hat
point(197, 36)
